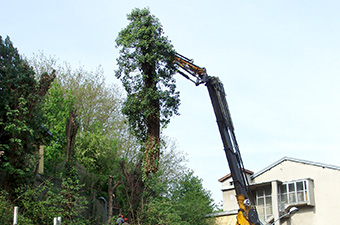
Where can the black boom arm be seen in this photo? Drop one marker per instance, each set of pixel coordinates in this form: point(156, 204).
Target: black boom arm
point(247, 213)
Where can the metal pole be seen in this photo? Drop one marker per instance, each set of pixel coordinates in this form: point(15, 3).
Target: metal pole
point(55, 221)
point(105, 205)
point(15, 217)
point(59, 220)
point(291, 211)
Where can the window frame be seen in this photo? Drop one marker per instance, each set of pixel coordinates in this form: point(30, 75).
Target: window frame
point(266, 207)
point(292, 193)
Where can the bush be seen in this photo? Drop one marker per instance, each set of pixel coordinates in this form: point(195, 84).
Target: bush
point(162, 211)
point(6, 208)
point(44, 202)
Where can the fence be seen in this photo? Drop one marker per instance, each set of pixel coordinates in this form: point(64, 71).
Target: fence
point(56, 220)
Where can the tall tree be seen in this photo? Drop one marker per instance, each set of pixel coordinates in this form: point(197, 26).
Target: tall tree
point(146, 71)
point(21, 119)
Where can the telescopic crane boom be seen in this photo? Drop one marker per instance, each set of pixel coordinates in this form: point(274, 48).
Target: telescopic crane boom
point(247, 214)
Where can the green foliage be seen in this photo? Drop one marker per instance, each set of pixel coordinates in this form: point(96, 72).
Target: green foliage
point(181, 201)
point(58, 103)
point(162, 211)
point(97, 153)
point(102, 140)
point(7, 211)
point(42, 203)
point(98, 112)
point(192, 200)
point(146, 71)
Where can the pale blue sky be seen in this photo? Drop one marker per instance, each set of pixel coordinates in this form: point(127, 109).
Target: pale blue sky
point(279, 62)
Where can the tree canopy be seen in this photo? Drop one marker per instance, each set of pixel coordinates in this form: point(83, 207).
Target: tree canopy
point(21, 120)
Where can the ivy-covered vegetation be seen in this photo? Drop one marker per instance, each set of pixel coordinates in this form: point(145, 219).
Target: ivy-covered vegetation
point(146, 70)
point(92, 151)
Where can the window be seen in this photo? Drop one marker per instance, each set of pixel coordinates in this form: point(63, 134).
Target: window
point(264, 204)
point(296, 193)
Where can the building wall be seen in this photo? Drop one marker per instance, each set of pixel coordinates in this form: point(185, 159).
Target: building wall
point(223, 218)
point(229, 195)
point(229, 200)
point(326, 186)
point(226, 184)
point(226, 220)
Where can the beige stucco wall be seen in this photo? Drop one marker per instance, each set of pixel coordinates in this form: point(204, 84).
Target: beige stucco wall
point(229, 200)
point(226, 220)
point(326, 190)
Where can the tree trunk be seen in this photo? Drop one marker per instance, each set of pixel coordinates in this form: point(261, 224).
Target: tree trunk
point(152, 147)
point(152, 144)
point(71, 131)
point(134, 187)
point(111, 196)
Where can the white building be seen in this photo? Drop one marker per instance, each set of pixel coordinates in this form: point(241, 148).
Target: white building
point(289, 182)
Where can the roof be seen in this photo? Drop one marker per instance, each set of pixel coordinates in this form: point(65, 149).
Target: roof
point(297, 161)
point(224, 213)
point(229, 175)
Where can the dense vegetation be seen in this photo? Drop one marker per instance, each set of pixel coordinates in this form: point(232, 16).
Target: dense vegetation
point(91, 152)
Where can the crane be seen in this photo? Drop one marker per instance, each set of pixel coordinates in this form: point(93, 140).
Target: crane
point(247, 214)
